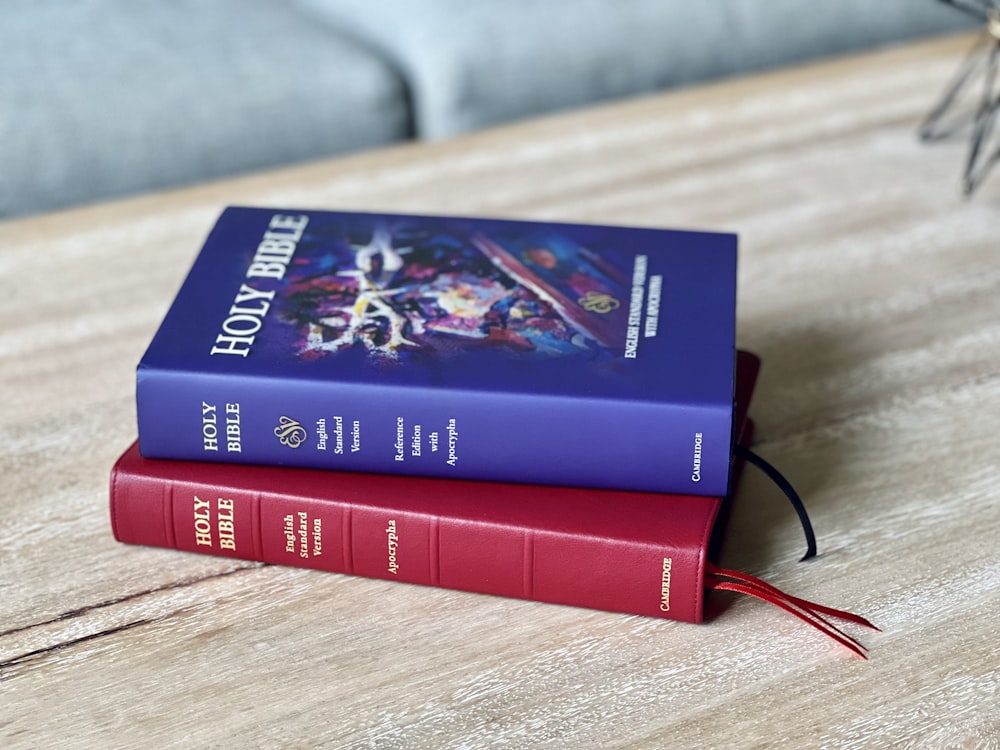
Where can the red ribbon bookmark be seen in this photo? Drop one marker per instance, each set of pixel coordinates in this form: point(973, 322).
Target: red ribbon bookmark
point(809, 612)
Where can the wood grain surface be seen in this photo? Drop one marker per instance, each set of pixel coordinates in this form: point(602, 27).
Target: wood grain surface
point(868, 285)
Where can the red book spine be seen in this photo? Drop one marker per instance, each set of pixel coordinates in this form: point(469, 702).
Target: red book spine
point(639, 553)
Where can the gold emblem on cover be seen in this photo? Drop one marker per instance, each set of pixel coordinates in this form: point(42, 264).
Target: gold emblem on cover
point(290, 432)
point(598, 302)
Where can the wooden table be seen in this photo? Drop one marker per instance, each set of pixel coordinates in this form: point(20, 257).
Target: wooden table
point(871, 290)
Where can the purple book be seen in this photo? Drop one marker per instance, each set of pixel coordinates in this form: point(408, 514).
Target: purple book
point(515, 351)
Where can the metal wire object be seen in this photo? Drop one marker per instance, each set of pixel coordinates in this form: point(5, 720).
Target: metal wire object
point(951, 114)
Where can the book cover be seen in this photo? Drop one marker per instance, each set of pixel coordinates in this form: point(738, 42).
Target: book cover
point(540, 353)
point(634, 552)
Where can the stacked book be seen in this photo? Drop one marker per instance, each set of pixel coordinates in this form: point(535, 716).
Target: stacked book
point(534, 410)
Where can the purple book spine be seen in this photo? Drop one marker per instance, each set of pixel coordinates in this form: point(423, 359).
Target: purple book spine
point(424, 431)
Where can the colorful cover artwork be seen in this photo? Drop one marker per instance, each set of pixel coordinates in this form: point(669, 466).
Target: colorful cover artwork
point(406, 292)
point(473, 348)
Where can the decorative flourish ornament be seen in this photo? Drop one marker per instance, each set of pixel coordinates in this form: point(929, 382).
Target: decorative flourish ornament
point(949, 115)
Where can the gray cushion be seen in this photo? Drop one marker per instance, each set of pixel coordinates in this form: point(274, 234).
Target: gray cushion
point(472, 64)
point(100, 98)
point(104, 97)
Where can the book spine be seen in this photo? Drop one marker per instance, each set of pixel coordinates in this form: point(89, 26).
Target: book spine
point(473, 552)
point(424, 431)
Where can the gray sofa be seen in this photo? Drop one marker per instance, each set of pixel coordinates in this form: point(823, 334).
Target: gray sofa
point(103, 98)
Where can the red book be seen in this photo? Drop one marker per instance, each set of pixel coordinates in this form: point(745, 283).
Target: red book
point(633, 552)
